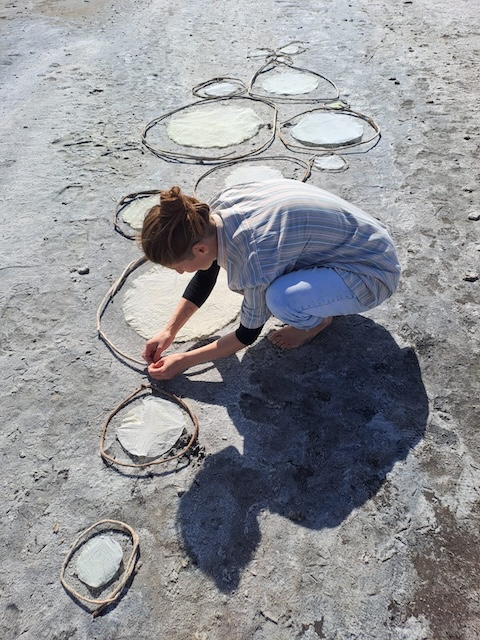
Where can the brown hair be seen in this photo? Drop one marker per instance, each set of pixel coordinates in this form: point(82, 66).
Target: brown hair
point(171, 228)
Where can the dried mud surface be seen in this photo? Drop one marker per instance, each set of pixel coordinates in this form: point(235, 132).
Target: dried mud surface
point(335, 490)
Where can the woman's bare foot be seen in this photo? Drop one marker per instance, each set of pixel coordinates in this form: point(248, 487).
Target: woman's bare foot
point(290, 338)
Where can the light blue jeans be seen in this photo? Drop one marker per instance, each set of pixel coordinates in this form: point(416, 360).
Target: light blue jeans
point(304, 298)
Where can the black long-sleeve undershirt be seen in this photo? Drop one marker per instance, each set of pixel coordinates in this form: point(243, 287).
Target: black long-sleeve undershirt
point(201, 286)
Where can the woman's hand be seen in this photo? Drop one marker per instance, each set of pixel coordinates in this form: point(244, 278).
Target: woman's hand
point(168, 367)
point(156, 346)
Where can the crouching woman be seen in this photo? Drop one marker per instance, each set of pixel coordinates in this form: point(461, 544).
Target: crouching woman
point(292, 250)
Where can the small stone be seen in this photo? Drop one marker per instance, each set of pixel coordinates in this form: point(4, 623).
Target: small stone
point(83, 271)
point(471, 276)
point(474, 215)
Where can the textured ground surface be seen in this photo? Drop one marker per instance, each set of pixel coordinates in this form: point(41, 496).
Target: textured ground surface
point(339, 493)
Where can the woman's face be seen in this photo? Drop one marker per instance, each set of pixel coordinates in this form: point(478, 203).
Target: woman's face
point(204, 254)
point(197, 263)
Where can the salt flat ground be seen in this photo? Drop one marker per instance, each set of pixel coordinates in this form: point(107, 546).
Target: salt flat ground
point(335, 493)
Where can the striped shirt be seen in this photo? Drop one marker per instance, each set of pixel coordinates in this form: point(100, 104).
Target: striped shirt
point(267, 229)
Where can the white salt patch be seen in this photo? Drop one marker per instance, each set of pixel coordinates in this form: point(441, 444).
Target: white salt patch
point(134, 213)
point(153, 296)
point(291, 49)
point(99, 561)
point(221, 89)
point(151, 427)
point(214, 126)
point(330, 162)
point(259, 53)
point(289, 83)
point(328, 129)
point(251, 173)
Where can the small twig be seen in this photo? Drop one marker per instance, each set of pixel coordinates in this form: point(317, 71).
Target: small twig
point(116, 286)
point(20, 266)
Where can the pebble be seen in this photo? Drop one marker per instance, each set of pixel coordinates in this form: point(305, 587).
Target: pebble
point(83, 271)
point(471, 276)
point(474, 215)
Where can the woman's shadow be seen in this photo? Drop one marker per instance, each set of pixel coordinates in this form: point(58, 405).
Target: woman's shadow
point(322, 427)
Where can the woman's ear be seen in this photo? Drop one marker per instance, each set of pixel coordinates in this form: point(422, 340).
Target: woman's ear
point(205, 246)
point(200, 248)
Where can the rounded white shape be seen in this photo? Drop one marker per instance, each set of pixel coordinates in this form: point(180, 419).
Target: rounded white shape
point(328, 129)
point(251, 173)
point(329, 163)
point(289, 83)
point(214, 126)
point(259, 53)
point(134, 212)
point(221, 89)
point(291, 49)
point(99, 561)
point(153, 296)
point(151, 427)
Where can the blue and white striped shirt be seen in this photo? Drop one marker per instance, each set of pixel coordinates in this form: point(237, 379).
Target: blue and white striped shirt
point(267, 229)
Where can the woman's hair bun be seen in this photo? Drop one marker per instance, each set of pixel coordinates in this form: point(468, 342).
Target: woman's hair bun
point(174, 192)
point(173, 202)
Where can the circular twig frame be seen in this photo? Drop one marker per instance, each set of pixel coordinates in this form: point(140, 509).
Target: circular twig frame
point(180, 153)
point(183, 445)
point(304, 166)
point(270, 67)
point(336, 108)
point(98, 528)
point(122, 227)
point(201, 90)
